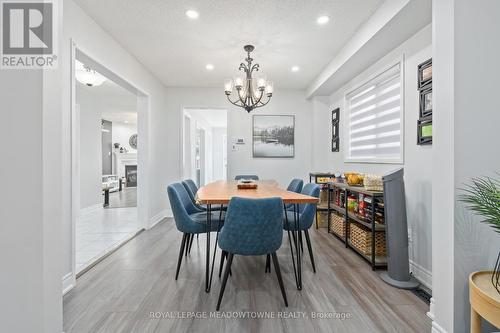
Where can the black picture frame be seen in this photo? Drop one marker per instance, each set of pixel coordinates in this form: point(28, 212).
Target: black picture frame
point(426, 102)
point(335, 130)
point(424, 74)
point(424, 131)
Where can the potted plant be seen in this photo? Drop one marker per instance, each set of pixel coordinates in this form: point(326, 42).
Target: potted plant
point(482, 196)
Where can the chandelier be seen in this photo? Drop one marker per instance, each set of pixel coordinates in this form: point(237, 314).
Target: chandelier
point(250, 93)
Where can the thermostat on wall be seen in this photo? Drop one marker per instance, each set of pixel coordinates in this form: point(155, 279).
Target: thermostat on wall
point(239, 141)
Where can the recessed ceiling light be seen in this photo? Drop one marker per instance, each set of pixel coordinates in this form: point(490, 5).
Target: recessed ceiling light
point(192, 14)
point(209, 67)
point(126, 121)
point(295, 68)
point(323, 19)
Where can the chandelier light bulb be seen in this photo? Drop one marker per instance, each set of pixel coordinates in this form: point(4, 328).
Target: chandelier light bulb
point(269, 88)
point(261, 83)
point(228, 86)
point(238, 82)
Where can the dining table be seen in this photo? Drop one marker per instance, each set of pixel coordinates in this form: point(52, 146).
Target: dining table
point(219, 193)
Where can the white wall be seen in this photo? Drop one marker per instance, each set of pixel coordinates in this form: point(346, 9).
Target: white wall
point(477, 117)
point(164, 156)
point(443, 165)
point(288, 102)
point(218, 157)
point(90, 149)
point(121, 134)
point(30, 201)
point(466, 121)
point(417, 159)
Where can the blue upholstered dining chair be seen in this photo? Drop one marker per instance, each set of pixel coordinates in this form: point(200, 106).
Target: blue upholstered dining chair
point(294, 186)
point(253, 227)
point(192, 189)
point(189, 219)
point(306, 213)
point(252, 177)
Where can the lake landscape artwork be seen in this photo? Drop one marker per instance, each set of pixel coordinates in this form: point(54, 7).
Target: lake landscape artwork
point(273, 136)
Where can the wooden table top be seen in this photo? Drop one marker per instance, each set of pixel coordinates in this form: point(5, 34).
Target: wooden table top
point(221, 192)
point(484, 300)
point(481, 283)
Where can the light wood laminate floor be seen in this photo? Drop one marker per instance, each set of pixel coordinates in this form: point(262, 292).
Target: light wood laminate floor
point(120, 293)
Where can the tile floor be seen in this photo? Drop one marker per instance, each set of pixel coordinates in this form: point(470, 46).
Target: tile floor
point(101, 231)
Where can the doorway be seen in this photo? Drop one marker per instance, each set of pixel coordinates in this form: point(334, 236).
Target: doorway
point(205, 145)
point(109, 161)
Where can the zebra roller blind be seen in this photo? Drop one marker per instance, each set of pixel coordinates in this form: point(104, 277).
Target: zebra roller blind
point(375, 119)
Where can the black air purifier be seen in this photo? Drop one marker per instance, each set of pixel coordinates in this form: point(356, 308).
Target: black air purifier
point(398, 265)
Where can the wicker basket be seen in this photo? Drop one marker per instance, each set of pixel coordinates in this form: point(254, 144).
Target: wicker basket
point(361, 239)
point(373, 183)
point(337, 224)
point(322, 219)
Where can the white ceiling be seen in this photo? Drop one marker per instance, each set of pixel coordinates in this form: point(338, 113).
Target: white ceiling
point(116, 103)
point(176, 49)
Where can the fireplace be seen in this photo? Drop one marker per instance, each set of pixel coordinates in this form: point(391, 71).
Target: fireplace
point(131, 175)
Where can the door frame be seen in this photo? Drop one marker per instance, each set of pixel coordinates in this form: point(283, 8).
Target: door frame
point(143, 151)
point(182, 114)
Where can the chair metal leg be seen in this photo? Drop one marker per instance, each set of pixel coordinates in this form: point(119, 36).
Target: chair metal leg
point(181, 252)
point(268, 264)
point(191, 242)
point(309, 248)
point(188, 240)
point(280, 279)
point(294, 239)
point(224, 280)
point(222, 257)
point(213, 260)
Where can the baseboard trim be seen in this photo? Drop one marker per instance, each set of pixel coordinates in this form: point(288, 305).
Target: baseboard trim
point(436, 328)
point(90, 209)
point(160, 216)
point(68, 282)
point(430, 314)
point(423, 275)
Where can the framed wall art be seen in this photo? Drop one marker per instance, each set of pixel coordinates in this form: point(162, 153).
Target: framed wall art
point(273, 136)
point(424, 74)
point(335, 130)
point(424, 131)
point(424, 122)
point(426, 102)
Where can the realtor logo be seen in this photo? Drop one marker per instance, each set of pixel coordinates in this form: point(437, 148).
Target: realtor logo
point(28, 35)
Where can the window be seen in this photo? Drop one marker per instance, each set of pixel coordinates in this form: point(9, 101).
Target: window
point(375, 119)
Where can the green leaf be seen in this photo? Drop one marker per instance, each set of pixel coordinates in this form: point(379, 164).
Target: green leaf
point(482, 196)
